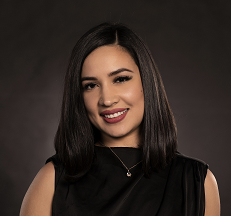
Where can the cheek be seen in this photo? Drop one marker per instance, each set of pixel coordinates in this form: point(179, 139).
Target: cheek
point(134, 95)
point(90, 104)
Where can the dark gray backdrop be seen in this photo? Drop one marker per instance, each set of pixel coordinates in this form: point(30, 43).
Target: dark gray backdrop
point(190, 42)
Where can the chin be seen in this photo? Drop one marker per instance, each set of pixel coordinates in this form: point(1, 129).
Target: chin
point(115, 134)
point(118, 133)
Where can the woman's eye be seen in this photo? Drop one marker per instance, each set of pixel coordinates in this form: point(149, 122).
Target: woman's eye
point(122, 79)
point(89, 86)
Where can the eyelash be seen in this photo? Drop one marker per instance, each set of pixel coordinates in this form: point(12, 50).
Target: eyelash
point(124, 78)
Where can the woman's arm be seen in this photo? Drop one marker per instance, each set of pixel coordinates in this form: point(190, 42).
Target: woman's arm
point(38, 198)
point(212, 199)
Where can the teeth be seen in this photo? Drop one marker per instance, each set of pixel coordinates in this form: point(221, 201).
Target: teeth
point(115, 114)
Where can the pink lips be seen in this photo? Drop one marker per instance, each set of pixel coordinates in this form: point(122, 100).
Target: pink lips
point(116, 119)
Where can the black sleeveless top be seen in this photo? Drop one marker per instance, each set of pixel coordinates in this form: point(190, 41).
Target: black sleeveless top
point(106, 190)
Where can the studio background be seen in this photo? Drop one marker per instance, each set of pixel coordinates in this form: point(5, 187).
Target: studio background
point(189, 40)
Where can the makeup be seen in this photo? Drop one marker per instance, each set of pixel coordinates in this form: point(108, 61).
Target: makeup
point(114, 116)
point(112, 88)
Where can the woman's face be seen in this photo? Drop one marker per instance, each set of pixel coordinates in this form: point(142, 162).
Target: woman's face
point(113, 91)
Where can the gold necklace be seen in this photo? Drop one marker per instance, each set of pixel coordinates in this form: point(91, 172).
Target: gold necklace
point(128, 169)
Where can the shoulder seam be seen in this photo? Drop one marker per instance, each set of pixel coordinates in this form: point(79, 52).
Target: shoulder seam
point(191, 158)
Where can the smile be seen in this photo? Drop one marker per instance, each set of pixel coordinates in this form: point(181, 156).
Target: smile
point(115, 114)
point(115, 117)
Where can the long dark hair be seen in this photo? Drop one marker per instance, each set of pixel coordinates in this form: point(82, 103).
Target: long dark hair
point(76, 136)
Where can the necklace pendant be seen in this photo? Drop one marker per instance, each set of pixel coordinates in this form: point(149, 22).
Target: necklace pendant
point(129, 174)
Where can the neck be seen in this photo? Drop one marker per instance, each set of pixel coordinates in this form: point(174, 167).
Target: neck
point(128, 141)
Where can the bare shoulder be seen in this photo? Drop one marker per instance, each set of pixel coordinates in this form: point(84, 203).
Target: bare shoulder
point(212, 199)
point(39, 196)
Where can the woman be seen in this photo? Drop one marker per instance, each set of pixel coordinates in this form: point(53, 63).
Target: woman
point(116, 143)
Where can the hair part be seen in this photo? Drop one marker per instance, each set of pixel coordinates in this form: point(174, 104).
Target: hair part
point(76, 135)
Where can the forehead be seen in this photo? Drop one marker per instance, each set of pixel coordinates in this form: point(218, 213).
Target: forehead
point(107, 59)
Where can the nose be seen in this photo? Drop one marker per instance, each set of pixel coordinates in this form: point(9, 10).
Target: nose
point(108, 97)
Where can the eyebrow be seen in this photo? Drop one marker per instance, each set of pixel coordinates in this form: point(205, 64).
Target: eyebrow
point(113, 73)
